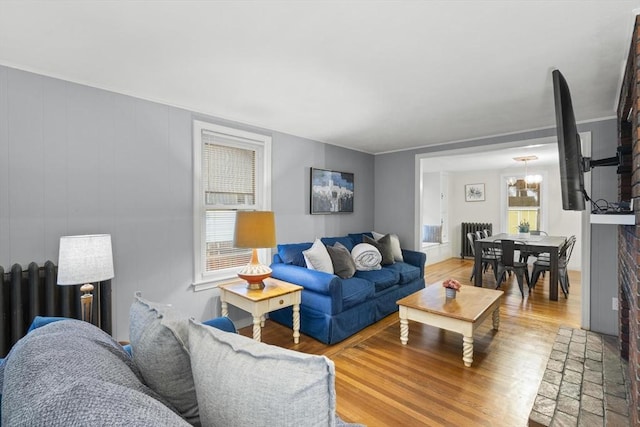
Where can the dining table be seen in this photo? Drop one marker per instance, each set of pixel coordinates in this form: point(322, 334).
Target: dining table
point(530, 243)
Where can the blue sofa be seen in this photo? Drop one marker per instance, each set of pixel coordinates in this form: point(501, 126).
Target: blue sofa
point(334, 308)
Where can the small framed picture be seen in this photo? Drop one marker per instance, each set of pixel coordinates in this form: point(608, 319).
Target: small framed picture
point(474, 192)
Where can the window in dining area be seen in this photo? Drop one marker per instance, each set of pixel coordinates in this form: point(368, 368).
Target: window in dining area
point(523, 202)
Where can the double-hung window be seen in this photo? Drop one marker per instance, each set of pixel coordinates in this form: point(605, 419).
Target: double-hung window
point(231, 173)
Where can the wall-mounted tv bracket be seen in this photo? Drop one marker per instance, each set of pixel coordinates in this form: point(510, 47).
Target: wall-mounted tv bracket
point(588, 163)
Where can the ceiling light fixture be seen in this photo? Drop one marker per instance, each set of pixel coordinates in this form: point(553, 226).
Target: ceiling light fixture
point(526, 159)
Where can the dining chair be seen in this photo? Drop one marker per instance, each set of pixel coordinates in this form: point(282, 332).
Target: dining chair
point(487, 259)
point(483, 234)
point(524, 256)
point(507, 263)
point(544, 264)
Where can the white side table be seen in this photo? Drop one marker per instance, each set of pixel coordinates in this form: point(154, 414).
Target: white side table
point(276, 294)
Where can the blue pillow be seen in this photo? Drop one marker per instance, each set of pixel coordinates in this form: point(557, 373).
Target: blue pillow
point(40, 321)
point(346, 241)
point(291, 253)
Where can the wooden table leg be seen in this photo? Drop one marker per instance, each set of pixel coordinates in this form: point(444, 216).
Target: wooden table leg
point(296, 323)
point(496, 318)
point(467, 350)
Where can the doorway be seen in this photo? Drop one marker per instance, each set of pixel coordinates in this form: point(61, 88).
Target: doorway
point(492, 165)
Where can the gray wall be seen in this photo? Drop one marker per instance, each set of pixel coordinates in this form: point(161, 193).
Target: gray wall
point(395, 207)
point(80, 160)
point(76, 160)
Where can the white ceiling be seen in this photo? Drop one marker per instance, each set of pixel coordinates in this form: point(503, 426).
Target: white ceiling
point(374, 76)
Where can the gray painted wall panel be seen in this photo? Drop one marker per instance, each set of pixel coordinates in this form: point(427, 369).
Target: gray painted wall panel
point(604, 238)
point(55, 190)
point(120, 165)
point(26, 172)
point(5, 222)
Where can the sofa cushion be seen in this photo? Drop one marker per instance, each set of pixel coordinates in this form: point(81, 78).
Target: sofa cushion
point(72, 373)
point(291, 253)
point(343, 265)
point(358, 237)
point(408, 273)
point(344, 241)
point(382, 279)
point(159, 337)
point(384, 246)
point(356, 290)
point(317, 257)
point(367, 257)
point(242, 382)
point(395, 244)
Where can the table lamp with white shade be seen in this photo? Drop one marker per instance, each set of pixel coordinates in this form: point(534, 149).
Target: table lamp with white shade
point(254, 229)
point(84, 260)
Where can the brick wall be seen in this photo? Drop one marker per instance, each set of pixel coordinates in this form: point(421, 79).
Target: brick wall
point(629, 236)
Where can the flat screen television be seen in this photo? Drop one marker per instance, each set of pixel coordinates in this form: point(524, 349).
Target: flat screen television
point(569, 147)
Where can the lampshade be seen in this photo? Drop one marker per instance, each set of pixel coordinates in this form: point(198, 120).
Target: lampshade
point(85, 259)
point(255, 229)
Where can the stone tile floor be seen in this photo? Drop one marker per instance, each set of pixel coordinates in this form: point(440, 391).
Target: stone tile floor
point(585, 383)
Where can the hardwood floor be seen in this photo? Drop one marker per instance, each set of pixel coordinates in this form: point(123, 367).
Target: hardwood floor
point(380, 382)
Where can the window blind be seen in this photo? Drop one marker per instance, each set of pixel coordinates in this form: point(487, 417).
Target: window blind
point(229, 173)
point(229, 183)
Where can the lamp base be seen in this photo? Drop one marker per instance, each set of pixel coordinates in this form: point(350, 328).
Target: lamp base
point(254, 272)
point(87, 301)
point(254, 282)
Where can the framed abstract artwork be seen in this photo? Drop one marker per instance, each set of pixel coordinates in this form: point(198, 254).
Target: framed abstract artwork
point(331, 192)
point(474, 192)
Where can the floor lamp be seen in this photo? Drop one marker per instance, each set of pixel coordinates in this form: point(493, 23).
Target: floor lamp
point(83, 260)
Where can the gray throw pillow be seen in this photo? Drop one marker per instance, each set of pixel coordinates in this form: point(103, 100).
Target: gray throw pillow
point(384, 246)
point(242, 382)
point(395, 245)
point(343, 264)
point(70, 373)
point(159, 338)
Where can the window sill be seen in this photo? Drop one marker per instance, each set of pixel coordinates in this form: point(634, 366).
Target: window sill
point(212, 284)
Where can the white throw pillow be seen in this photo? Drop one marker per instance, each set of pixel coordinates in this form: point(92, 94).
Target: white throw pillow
point(395, 245)
point(317, 257)
point(367, 257)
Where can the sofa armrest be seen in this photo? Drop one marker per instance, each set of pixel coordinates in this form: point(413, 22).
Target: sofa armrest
point(415, 258)
point(223, 323)
point(313, 280)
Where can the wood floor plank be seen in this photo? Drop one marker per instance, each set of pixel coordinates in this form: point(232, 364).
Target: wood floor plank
point(380, 382)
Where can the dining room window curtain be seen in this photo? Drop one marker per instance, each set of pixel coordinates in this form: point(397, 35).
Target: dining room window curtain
point(231, 179)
